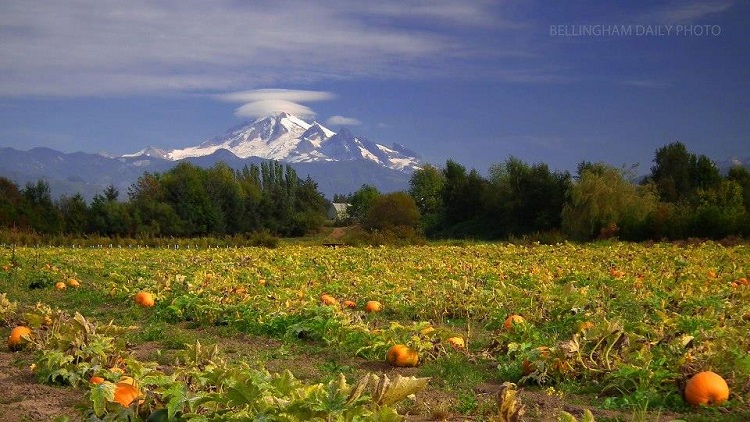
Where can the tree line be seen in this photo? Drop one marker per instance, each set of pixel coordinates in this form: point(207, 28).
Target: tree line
point(684, 196)
point(186, 201)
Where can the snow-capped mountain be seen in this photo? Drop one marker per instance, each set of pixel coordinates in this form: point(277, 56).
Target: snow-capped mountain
point(288, 138)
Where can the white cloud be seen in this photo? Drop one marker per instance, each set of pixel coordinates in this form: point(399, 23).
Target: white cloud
point(264, 102)
point(109, 47)
point(688, 11)
point(342, 121)
point(268, 107)
point(297, 95)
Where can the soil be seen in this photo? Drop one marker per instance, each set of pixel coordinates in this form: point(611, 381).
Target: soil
point(24, 399)
point(337, 233)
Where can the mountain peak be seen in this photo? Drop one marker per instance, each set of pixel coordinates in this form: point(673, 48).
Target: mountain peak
point(288, 138)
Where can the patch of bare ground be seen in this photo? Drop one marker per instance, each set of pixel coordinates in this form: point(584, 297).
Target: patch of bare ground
point(337, 233)
point(24, 399)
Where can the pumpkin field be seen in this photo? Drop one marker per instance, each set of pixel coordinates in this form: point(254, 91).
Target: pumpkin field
point(609, 331)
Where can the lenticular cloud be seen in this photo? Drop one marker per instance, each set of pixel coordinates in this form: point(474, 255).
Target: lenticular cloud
point(263, 102)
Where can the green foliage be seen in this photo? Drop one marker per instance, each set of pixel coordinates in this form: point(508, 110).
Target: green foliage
point(361, 201)
point(426, 186)
point(73, 348)
point(391, 211)
point(604, 203)
point(184, 201)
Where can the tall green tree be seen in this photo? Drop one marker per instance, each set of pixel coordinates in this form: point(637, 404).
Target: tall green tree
point(152, 214)
point(10, 204)
point(678, 173)
point(39, 210)
point(110, 217)
point(225, 193)
point(362, 200)
point(741, 176)
point(75, 214)
point(604, 201)
point(530, 197)
point(426, 187)
point(185, 192)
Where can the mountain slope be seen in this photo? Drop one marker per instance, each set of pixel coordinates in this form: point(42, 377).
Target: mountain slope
point(289, 139)
point(89, 174)
point(339, 162)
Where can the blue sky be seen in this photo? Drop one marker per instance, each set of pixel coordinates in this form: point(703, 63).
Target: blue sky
point(476, 81)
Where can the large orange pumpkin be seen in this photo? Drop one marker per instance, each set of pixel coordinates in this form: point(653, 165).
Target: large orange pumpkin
point(125, 393)
point(145, 299)
point(15, 339)
point(402, 355)
point(706, 388)
point(373, 306)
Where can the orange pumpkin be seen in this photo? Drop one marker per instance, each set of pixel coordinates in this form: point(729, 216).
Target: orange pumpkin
point(60, 285)
point(74, 283)
point(373, 306)
point(328, 300)
point(144, 299)
point(15, 339)
point(706, 388)
point(349, 304)
point(125, 394)
point(456, 342)
point(402, 355)
point(96, 380)
point(513, 320)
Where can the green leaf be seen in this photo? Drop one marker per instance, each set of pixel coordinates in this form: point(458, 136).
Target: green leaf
point(177, 394)
point(101, 394)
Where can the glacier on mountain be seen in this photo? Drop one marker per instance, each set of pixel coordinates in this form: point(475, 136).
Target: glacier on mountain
point(287, 138)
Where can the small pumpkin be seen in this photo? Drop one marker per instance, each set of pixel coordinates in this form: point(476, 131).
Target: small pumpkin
point(706, 387)
point(349, 304)
point(513, 320)
point(74, 283)
point(144, 299)
point(373, 306)
point(456, 342)
point(16, 340)
point(60, 285)
point(125, 394)
point(96, 379)
point(402, 355)
point(328, 300)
